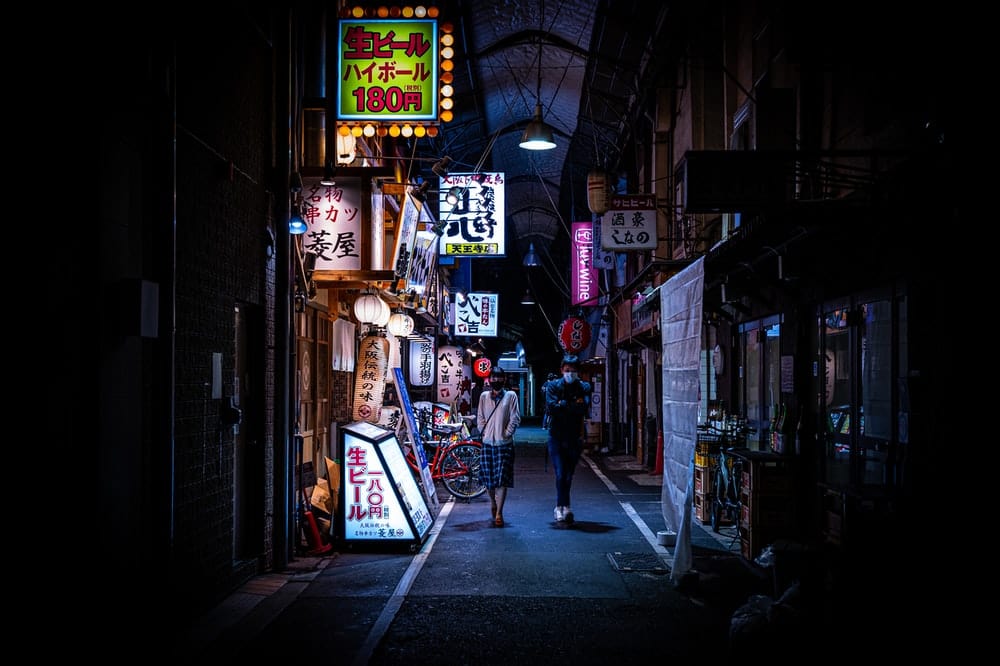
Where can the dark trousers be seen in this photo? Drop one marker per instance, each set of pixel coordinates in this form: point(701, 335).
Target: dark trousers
point(565, 454)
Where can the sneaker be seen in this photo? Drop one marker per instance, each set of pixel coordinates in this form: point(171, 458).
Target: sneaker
point(567, 514)
point(559, 513)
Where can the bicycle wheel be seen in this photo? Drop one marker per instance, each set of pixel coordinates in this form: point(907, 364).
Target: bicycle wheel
point(460, 471)
point(718, 497)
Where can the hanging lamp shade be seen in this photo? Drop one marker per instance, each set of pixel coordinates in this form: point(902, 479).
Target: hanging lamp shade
point(384, 314)
point(531, 259)
point(368, 309)
point(597, 192)
point(537, 135)
point(400, 324)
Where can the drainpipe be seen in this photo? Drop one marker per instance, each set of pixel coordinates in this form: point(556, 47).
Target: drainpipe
point(283, 333)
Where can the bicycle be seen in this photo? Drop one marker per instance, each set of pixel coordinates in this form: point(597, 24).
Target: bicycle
point(727, 479)
point(454, 461)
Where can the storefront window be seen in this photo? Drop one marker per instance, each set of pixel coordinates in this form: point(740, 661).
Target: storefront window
point(836, 394)
point(875, 427)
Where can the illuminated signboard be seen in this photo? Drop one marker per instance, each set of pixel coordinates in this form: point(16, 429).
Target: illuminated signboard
point(387, 70)
point(333, 215)
point(381, 502)
point(630, 223)
point(584, 274)
point(476, 314)
point(473, 226)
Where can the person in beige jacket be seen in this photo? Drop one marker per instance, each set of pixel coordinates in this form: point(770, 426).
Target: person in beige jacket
point(497, 418)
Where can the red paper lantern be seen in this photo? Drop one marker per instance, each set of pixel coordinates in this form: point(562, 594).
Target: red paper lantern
point(574, 334)
point(482, 367)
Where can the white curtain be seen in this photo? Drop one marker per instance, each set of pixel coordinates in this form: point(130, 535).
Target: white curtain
point(680, 312)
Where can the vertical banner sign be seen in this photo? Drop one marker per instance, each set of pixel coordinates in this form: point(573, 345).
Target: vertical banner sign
point(474, 226)
point(603, 260)
point(416, 441)
point(584, 275)
point(333, 215)
point(596, 400)
point(407, 234)
point(450, 373)
point(476, 314)
point(421, 362)
point(387, 70)
point(423, 261)
point(630, 223)
point(369, 378)
point(378, 230)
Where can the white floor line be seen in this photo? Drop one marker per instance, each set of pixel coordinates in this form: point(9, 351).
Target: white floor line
point(629, 511)
point(395, 602)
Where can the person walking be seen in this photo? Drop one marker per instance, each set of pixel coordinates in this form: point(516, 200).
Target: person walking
point(497, 418)
point(567, 401)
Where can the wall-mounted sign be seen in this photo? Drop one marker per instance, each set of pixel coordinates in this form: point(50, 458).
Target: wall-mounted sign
point(630, 223)
point(423, 261)
point(476, 314)
point(409, 219)
point(387, 70)
point(449, 373)
point(584, 289)
point(474, 226)
point(602, 259)
point(381, 502)
point(333, 216)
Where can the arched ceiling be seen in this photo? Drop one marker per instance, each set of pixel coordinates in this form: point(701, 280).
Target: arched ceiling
point(598, 61)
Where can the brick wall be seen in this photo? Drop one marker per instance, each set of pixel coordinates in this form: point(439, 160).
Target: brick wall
point(224, 119)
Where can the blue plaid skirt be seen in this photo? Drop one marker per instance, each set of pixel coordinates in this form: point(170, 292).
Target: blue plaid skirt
point(496, 466)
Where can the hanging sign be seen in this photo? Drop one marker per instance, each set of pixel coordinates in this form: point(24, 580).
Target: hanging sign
point(584, 274)
point(409, 218)
point(474, 225)
point(416, 440)
point(476, 314)
point(449, 373)
point(422, 362)
point(369, 377)
point(422, 262)
point(630, 223)
point(574, 334)
point(482, 366)
point(333, 216)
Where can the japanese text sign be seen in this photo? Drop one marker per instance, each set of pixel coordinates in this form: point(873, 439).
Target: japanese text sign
point(422, 362)
point(387, 70)
point(333, 217)
point(476, 314)
point(630, 223)
point(474, 225)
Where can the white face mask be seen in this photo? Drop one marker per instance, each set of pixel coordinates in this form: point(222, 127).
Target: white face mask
point(570, 377)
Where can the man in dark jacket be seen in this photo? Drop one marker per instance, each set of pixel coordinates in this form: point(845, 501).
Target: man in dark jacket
point(567, 401)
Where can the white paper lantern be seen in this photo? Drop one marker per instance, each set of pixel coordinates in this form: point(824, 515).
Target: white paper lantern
point(369, 308)
point(400, 324)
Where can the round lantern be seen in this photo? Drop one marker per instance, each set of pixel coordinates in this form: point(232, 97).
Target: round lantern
point(482, 366)
point(400, 324)
point(369, 308)
point(597, 192)
point(574, 334)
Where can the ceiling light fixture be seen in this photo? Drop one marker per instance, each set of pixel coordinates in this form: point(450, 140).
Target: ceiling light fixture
point(531, 259)
point(527, 299)
point(538, 135)
point(296, 225)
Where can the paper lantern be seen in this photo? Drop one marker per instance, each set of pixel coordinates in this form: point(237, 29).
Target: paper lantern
point(369, 308)
point(369, 378)
point(450, 373)
point(482, 366)
point(400, 324)
point(597, 192)
point(574, 334)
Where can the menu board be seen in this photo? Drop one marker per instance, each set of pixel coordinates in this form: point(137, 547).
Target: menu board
point(381, 501)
